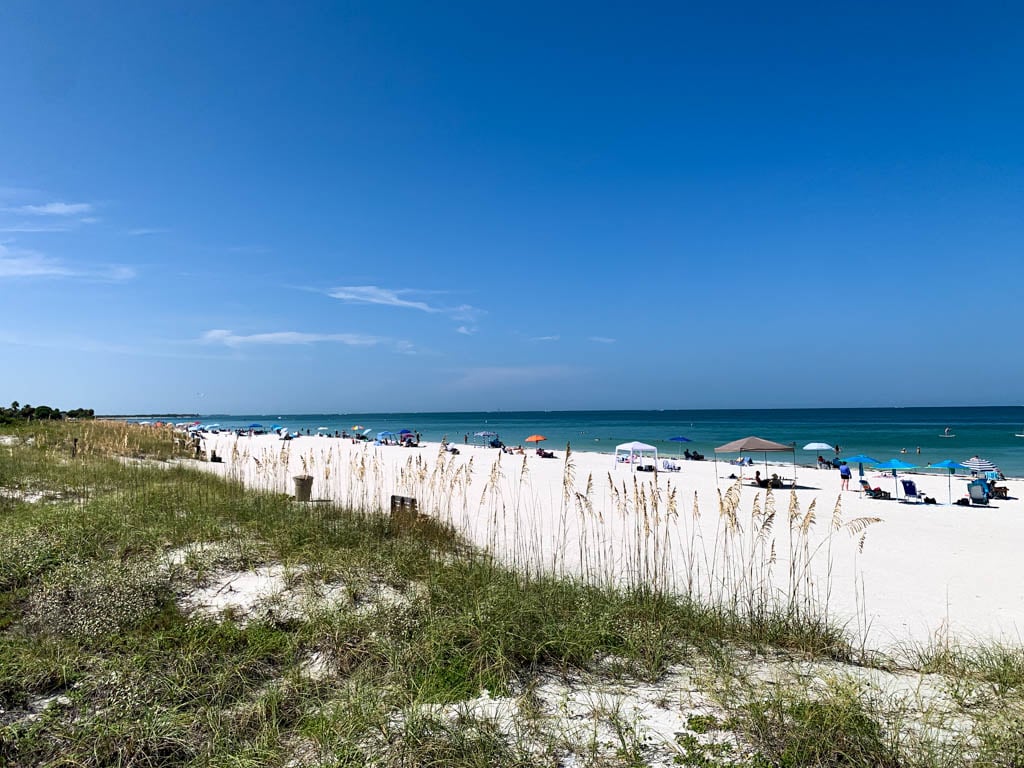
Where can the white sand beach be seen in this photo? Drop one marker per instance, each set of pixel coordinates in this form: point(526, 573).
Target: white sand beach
point(926, 572)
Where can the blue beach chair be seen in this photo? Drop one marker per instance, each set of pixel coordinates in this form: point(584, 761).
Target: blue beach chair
point(978, 491)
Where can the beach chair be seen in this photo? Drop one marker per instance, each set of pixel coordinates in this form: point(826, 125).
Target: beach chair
point(874, 493)
point(910, 493)
point(978, 491)
point(669, 466)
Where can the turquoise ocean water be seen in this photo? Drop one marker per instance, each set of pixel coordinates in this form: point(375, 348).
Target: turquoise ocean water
point(882, 433)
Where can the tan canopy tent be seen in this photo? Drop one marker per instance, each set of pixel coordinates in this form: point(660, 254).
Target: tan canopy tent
point(754, 444)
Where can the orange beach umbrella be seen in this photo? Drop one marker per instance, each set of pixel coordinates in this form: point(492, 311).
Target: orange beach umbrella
point(535, 438)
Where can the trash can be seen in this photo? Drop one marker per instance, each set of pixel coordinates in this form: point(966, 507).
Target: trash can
point(303, 487)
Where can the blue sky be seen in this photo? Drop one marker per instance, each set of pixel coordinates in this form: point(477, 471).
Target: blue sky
point(254, 207)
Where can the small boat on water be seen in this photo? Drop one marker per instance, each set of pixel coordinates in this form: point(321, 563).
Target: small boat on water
point(947, 433)
point(1021, 433)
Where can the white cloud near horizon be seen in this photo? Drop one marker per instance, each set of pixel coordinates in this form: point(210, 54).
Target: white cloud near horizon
point(232, 339)
point(56, 209)
point(545, 338)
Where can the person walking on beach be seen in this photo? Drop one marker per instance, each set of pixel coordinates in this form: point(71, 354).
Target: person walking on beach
point(845, 474)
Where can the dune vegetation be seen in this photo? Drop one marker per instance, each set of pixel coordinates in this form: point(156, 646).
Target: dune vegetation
point(154, 615)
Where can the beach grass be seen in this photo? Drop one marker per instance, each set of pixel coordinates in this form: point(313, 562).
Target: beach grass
point(377, 636)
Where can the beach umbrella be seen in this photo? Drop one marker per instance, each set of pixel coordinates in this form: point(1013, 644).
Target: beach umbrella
point(274, 427)
point(979, 465)
point(894, 465)
point(358, 427)
point(861, 460)
point(405, 432)
point(385, 433)
point(817, 447)
point(952, 466)
point(758, 445)
point(255, 426)
point(535, 438)
point(680, 439)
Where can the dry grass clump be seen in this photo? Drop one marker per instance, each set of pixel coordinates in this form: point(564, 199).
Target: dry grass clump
point(101, 437)
point(89, 599)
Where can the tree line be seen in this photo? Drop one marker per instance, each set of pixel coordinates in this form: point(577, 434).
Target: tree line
point(19, 412)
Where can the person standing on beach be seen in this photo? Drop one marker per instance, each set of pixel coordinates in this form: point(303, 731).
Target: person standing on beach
point(465, 439)
point(845, 474)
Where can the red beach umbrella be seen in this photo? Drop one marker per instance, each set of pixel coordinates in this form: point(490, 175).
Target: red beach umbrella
point(535, 438)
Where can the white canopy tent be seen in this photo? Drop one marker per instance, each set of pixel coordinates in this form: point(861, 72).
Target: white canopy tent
point(634, 451)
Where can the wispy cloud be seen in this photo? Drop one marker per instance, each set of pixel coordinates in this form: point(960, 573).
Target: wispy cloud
point(489, 377)
point(145, 231)
point(18, 262)
point(602, 340)
point(407, 298)
point(372, 294)
point(26, 227)
point(232, 339)
point(465, 331)
point(545, 338)
point(25, 263)
point(56, 209)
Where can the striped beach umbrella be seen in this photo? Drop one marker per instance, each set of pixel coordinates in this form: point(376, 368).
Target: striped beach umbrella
point(979, 465)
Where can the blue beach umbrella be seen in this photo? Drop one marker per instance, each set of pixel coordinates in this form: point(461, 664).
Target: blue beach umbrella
point(894, 465)
point(952, 466)
point(255, 426)
point(861, 460)
point(680, 439)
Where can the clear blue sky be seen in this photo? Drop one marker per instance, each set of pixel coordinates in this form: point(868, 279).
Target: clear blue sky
point(255, 207)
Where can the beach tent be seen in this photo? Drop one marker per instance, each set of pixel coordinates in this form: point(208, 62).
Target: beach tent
point(633, 451)
point(754, 444)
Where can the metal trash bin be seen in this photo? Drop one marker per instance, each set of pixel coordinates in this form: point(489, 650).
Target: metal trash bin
point(303, 487)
